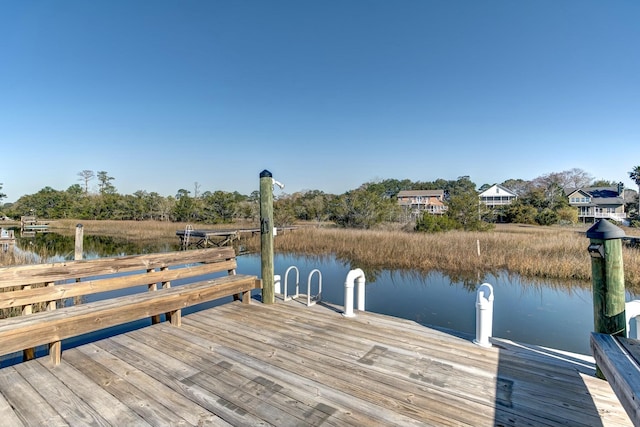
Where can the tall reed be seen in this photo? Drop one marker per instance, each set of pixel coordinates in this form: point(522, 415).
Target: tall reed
point(532, 252)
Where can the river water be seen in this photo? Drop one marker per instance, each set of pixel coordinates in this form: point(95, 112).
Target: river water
point(548, 314)
point(556, 315)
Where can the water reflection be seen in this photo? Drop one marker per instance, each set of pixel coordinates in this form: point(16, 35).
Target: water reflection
point(548, 313)
point(544, 312)
point(56, 247)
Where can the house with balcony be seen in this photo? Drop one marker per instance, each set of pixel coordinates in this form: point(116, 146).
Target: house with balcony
point(594, 203)
point(497, 196)
point(415, 202)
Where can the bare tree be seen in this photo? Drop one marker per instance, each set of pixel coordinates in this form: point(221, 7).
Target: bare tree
point(577, 178)
point(196, 190)
point(86, 176)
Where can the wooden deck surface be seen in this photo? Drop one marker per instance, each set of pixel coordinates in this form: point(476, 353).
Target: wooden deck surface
point(289, 365)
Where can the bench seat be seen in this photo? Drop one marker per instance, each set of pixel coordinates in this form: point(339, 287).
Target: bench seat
point(21, 332)
point(41, 295)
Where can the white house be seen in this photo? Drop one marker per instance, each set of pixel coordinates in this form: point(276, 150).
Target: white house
point(497, 195)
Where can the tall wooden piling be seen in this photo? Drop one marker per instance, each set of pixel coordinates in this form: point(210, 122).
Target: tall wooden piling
point(78, 254)
point(79, 242)
point(266, 237)
point(607, 276)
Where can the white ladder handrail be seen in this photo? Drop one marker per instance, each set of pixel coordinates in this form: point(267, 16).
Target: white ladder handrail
point(286, 277)
point(311, 300)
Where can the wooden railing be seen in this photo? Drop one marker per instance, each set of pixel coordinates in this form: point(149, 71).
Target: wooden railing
point(42, 304)
point(619, 360)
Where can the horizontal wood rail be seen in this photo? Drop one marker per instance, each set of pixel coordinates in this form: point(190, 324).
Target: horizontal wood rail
point(42, 304)
point(619, 360)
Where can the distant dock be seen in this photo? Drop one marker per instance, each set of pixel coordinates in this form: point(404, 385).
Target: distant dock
point(30, 223)
point(203, 238)
point(7, 240)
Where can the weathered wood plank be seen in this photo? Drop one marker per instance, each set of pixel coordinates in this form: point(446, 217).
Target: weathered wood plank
point(28, 405)
point(465, 359)
point(31, 331)
point(440, 373)
point(430, 394)
point(312, 385)
point(284, 364)
point(302, 389)
point(303, 410)
point(199, 353)
point(8, 417)
point(179, 404)
point(621, 370)
point(71, 408)
point(143, 401)
point(114, 412)
point(177, 376)
point(353, 378)
point(259, 400)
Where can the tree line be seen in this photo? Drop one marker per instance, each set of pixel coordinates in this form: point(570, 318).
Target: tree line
point(540, 201)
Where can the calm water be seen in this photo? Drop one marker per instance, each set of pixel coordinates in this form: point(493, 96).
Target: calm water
point(551, 315)
point(543, 313)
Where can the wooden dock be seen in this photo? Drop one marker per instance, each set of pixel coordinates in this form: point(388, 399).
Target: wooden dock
point(207, 238)
point(30, 223)
point(7, 240)
point(289, 365)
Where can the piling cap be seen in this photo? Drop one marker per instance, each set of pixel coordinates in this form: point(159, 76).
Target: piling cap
point(265, 174)
point(605, 230)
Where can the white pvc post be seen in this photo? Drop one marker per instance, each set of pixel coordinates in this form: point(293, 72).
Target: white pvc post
point(360, 282)
point(276, 284)
point(348, 299)
point(356, 275)
point(484, 315)
point(632, 314)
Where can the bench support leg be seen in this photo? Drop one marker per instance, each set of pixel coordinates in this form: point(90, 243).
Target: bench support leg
point(246, 297)
point(175, 317)
point(55, 352)
point(28, 354)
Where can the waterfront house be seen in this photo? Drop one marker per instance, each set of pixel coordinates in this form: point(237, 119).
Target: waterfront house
point(497, 195)
point(415, 202)
point(594, 203)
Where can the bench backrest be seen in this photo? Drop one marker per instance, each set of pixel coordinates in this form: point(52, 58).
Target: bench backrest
point(24, 287)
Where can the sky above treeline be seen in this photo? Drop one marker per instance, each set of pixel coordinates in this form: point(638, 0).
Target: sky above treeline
point(326, 95)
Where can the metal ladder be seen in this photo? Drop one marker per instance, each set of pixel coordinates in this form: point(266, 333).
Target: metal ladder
point(187, 233)
point(311, 299)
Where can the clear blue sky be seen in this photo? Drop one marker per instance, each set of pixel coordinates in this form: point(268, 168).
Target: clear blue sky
point(324, 94)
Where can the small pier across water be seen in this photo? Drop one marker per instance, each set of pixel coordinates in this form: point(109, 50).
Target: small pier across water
point(30, 225)
point(7, 240)
point(204, 238)
point(286, 364)
point(190, 237)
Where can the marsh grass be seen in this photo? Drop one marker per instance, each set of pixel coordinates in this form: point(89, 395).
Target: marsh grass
point(533, 252)
point(129, 230)
point(19, 257)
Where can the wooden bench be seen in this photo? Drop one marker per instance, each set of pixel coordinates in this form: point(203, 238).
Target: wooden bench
point(619, 360)
point(46, 299)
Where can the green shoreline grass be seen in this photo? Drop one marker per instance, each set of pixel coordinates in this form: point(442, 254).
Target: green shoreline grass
point(534, 252)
